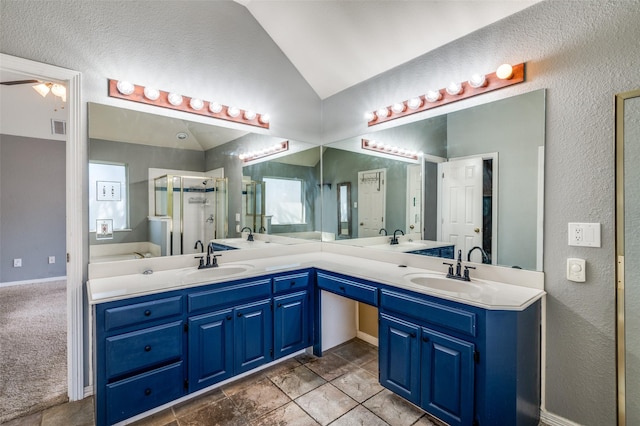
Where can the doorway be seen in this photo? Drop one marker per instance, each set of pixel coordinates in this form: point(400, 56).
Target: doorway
point(372, 203)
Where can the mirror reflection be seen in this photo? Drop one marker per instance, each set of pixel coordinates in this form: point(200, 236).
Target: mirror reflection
point(479, 190)
point(165, 186)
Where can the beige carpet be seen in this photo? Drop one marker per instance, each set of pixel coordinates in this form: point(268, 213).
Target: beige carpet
point(33, 348)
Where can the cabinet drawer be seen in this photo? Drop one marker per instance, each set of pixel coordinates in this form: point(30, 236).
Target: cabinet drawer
point(351, 289)
point(126, 353)
point(291, 282)
point(138, 394)
point(229, 295)
point(434, 313)
point(141, 313)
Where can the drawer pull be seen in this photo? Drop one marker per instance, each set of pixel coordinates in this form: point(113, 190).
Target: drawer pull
point(147, 391)
point(342, 288)
point(147, 313)
point(147, 348)
point(292, 283)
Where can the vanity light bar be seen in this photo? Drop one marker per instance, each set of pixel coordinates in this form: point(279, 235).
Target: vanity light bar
point(506, 75)
point(131, 92)
point(265, 152)
point(388, 149)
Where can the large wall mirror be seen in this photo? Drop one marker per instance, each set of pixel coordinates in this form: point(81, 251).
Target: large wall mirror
point(158, 185)
point(478, 189)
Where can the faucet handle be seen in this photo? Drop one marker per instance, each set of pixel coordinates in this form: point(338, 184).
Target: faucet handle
point(215, 257)
point(450, 273)
point(466, 272)
point(201, 263)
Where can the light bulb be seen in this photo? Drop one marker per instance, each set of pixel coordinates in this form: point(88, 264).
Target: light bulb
point(249, 115)
point(196, 104)
point(125, 87)
point(151, 93)
point(215, 107)
point(233, 111)
point(414, 103)
point(60, 91)
point(382, 113)
point(373, 144)
point(398, 107)
point(504, 72)
point(369, 116)
point(477, 80)
point(242, 156)
point(174, 99)
point(433, 95)
point(265, 118)
point(454, 88)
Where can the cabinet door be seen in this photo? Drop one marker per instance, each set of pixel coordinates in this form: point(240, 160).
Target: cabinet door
point(210, 349)
point(447, 377)
point(399, 357)
point(253, 331)
point(291, 323)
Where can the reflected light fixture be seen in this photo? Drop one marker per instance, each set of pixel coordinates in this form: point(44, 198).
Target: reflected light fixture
point(377, 146)
point(147, 95)
point(56, 90)
point(506, 75)
point(265, 152)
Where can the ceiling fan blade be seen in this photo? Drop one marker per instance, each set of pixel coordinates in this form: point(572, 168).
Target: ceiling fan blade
point(13, 83)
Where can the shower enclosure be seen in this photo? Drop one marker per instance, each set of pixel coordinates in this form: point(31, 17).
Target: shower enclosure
point(195, 208)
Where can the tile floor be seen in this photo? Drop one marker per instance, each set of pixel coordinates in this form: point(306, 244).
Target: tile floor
point(339, 389)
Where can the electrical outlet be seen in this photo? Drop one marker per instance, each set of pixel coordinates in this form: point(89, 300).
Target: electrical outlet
point(52, 259)
point(17, 263)
point(584, 234)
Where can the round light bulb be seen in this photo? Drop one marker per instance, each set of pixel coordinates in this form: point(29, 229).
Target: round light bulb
point(504, 72)
point(151, 93)
point(196, 104)
point(414, 103)
point(382, 113)
point(454, 88)
point(265, 118)
point(369, 116)
point(478, 80)
point(233, 111)
point(175, 99)
point(249, 115)
point(242, 156)
point(215, 107)
point(125, 87)
point(398, 107)
point(58, 90)
point(373, 144)
point(433, 95)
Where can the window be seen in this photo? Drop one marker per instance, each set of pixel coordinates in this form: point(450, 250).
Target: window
point(284, 201)
point(108, 195)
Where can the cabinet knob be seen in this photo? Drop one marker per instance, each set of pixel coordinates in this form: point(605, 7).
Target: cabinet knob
point(147, 313)
point(147, 348)
point(147, 391)
point(413, 335)
point(292, 283)
point(229, 317)
point(239, 314)
point(279, 305)
point(425, 339)
point(342, 288)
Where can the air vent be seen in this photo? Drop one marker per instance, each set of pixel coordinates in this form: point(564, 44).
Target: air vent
point(58, 127)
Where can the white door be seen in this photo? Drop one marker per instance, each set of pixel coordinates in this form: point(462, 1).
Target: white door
point(462, 204)
point(371, 202)
point(414, 200)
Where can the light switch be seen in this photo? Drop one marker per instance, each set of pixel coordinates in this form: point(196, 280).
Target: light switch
point(576, 270)
point(584, 234)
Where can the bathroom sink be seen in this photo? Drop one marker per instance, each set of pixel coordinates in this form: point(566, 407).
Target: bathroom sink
point(441, 283)
point(193, 274)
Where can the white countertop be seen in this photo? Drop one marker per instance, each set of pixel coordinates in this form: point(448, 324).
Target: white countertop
point(480, 292)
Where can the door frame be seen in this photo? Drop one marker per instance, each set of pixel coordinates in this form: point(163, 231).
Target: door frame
point(75, 158)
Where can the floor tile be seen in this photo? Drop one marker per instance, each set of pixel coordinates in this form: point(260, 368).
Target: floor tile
point(305, 358)
point(359, 384)
point(329, 366)
point(77, 413)
point(238, 385)
point(184, 408)
point(290, 415)
point(298, 381)
point(393, 409)
point(259, 398)
point(372, 367)
point(219, 413)
point(282, 367)
point(356, 351)
point(30, 420)
point(359, 416)
point(428, 421)
point(326, 403)
point(162, 418)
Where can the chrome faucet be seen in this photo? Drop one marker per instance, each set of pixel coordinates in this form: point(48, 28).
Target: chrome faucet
point(380, 231)
point(459, 275)
point(485, 256)
point(394, 240)
point(201, 246)
point(250, 237)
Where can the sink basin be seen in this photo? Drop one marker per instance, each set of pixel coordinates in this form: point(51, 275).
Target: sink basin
point(441, 283)
point(192, 274)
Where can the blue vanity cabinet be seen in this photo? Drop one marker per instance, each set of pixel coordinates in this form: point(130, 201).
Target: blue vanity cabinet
point(291, 323)
point(140, 355)
point(253, 335)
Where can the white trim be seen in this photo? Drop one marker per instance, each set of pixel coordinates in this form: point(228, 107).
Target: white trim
point(75, 158)
point(367, 338)
point(551, 419)
point(35, 281)
point(540, 213)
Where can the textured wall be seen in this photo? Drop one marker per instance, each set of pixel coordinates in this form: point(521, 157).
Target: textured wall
point(583, 53)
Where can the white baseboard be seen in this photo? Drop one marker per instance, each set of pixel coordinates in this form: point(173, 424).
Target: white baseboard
point(367, 338)
point(554, 420)
point(88, 391)
point(36, 281)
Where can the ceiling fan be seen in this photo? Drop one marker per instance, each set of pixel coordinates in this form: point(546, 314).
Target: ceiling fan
point(42, 87)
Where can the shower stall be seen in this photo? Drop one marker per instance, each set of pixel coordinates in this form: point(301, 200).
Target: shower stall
point(195, 208)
